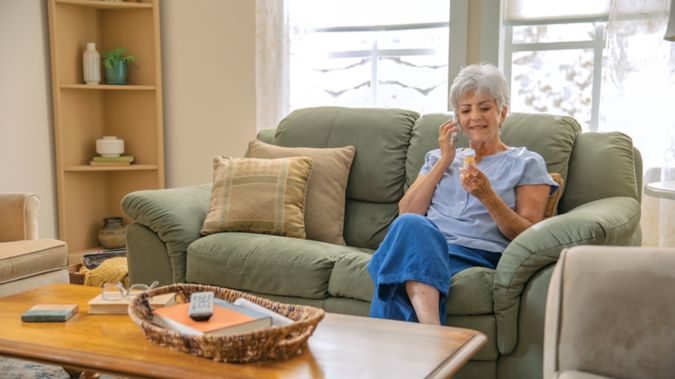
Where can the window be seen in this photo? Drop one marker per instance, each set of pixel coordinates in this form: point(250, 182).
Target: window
point(553, 55)
point(556, 68)
point(609, 67)
point(379, 53)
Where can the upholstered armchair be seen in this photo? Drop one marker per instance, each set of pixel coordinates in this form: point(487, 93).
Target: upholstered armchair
point(26, 261)
point(611, 314)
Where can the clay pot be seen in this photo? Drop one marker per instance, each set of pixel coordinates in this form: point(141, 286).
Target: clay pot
point(111, 234)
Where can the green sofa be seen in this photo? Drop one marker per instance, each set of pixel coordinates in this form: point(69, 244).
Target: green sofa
point(600, 206)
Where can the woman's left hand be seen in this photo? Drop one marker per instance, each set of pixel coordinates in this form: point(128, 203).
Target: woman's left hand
point(475, 182)
point(445, 140)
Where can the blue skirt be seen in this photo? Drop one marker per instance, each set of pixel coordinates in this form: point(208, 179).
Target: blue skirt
point(415, 249)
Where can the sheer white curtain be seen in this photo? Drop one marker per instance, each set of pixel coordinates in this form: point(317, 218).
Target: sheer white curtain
point(638, 93)
point(272, 59)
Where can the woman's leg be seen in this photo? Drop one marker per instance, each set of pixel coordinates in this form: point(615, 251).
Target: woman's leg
point(425, 300)
point(413, 251)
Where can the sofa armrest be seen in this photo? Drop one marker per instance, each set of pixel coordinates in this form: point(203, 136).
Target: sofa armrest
point(19, 216)
point(175, 215)
point(609, 221)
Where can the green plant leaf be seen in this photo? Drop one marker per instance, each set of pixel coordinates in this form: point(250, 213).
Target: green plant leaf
point(116, 55)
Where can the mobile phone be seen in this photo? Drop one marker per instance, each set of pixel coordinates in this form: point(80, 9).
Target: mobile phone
point(453, 136)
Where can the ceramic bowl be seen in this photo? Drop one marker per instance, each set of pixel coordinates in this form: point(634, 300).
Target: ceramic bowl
point(109, 146)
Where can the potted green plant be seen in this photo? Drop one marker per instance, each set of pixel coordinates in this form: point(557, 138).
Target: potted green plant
point(115, 63)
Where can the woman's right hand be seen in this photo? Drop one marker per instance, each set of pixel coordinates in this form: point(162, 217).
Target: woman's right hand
point(445, 140)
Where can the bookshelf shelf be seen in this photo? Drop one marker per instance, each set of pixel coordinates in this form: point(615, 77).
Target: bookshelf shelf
point(108, 87)
point(131, 167)
point(99, 4)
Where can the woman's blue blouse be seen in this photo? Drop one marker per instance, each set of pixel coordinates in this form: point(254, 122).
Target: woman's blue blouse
point(462, 218)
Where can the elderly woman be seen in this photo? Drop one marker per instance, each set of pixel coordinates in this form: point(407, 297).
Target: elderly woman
point(455, 217)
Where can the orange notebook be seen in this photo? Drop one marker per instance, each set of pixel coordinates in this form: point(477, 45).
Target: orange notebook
point(225, 321)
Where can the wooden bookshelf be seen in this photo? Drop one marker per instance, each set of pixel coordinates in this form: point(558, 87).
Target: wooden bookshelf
point(83, 113)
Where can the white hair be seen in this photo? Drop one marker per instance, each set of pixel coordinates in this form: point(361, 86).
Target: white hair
point(480, 78)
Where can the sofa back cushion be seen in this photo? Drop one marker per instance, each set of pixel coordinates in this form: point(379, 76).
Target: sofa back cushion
point(551, 136)
point(602, 165)
point(377, 175)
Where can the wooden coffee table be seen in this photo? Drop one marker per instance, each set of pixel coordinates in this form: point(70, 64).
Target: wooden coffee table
point(341, 347)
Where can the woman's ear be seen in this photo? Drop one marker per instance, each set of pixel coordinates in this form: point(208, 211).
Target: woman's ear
point(504, 112)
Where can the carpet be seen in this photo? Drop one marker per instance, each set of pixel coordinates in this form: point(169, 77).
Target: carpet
point(20, 369)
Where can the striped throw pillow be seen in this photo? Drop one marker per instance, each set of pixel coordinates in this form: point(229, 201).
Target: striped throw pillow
point(553, 200)
point(258, 196)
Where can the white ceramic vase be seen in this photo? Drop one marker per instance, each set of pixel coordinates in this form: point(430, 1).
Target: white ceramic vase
point(91, 64)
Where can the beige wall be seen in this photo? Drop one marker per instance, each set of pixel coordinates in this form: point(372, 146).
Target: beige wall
point(473, 36)
point(26, 137)
point(209, 93)
point(208, 55)
point(483, 32)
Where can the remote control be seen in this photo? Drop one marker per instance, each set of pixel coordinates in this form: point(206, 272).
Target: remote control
point(201, 306)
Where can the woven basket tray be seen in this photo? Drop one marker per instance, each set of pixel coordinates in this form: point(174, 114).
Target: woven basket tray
point(279, 342)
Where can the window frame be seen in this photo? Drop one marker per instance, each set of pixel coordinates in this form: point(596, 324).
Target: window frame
point(375, 53)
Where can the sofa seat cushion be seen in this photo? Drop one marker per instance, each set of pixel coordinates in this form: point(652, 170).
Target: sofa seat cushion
point(350, 278)
point(264, 263)
point(26, 258)
point(470, 291)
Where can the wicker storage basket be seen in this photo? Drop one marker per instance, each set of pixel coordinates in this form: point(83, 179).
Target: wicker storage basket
point(74, 274)
point(279, 342)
